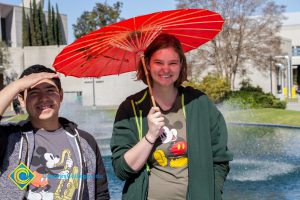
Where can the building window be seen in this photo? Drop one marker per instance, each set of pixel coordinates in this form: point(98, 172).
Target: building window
point(296, 50)
point(3, 29)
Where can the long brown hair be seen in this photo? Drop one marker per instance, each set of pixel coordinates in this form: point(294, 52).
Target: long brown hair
point(161, 42)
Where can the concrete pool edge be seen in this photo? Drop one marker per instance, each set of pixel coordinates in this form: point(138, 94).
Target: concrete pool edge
point(262, 125)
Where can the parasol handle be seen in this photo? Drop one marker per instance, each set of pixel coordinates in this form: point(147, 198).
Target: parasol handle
point(148, 81)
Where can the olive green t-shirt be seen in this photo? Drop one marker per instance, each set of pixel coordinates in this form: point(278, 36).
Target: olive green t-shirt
point(169, 162)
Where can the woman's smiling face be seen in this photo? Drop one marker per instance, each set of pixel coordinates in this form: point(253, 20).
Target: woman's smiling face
point(165, 67)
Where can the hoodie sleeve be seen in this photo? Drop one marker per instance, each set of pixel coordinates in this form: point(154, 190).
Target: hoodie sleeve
point(3, 143)
point(124, 137)
point(221, 154)
point(4, 132)
point(102, 192)
point(101, 183)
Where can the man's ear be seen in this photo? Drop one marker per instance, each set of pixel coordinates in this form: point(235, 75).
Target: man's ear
point(21, 100)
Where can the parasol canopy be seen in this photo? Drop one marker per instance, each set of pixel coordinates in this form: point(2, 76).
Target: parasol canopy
point(117, 48)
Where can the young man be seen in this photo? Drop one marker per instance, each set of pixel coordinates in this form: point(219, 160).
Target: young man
point(65, 161)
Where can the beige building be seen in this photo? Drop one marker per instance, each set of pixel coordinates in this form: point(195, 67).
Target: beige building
point(286, 81)
point(291, 30)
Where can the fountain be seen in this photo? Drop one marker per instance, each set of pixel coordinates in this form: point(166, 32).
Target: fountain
point(96, 121)
point(266, 163)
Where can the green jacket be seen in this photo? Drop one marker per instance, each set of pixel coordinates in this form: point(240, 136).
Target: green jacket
point(207, 145)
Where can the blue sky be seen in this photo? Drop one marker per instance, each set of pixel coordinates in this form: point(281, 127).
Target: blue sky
point(74, 8)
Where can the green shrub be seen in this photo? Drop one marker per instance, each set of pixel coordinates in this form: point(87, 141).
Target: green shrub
point(240, 99)
point(214, 85)
point(252, 97)
point(279, 104)
point(265, 100)
point(246, 86)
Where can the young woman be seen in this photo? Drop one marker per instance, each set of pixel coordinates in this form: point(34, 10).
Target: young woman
point(177, 150)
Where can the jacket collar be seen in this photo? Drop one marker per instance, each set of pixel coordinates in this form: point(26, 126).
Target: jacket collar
point(66, 124)
point(143, 99)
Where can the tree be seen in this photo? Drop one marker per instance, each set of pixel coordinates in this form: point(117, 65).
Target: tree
point(4, 64)
point(4, 54)
point(32, 33)
point(59, 37)
point(37, 25)
point(39, 32)
point(50, 26)
point(249, 35)
point(25, 28)
point(101, 15)
point(54, 28)
point(43, 26)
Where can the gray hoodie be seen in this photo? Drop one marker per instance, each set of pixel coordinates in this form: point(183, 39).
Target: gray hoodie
point(17, 145)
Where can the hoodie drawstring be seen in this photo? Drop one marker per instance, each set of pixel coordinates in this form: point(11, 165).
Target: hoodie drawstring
point(21, 149)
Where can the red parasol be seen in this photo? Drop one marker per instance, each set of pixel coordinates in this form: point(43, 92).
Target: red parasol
point(117, 48)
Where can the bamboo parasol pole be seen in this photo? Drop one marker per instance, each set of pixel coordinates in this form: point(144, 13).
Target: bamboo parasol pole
point(148, 81)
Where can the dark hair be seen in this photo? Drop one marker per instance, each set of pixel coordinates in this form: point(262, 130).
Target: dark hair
point(38, 69)
point(161, 42)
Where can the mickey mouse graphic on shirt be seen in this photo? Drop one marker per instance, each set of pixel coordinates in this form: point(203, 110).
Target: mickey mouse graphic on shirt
point(46, 163)
point(177, 147)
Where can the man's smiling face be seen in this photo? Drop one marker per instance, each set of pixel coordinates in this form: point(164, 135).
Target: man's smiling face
point(43, 101)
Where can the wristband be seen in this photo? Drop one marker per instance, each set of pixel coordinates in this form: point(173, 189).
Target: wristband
point(148, 140)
